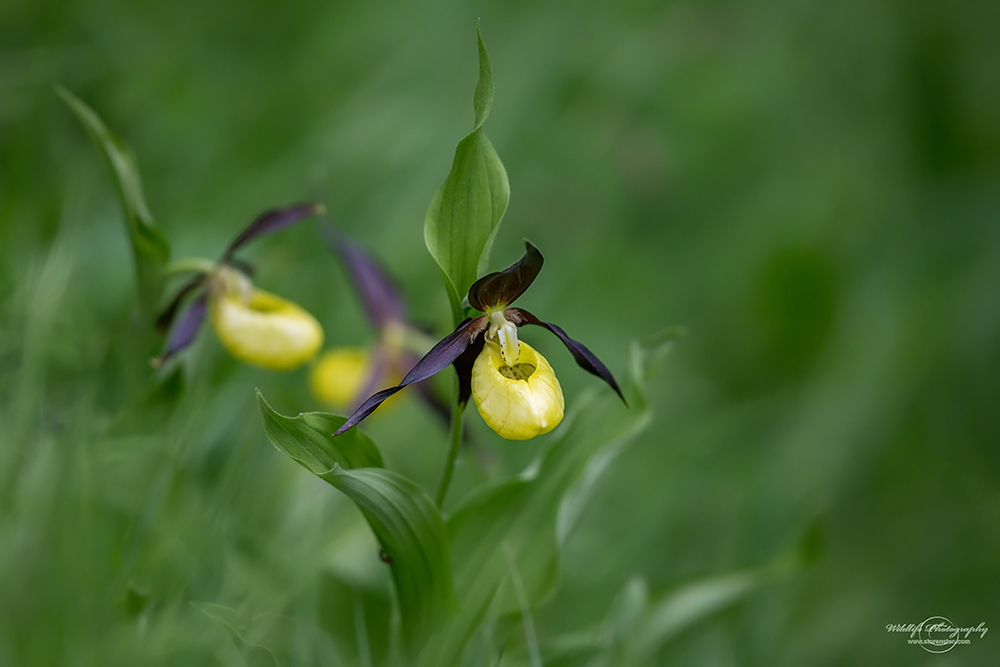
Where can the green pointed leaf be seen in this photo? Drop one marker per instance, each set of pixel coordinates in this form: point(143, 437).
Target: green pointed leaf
point(483, 99)
point(308, 439)
point(405, 520)
point(466, 210)
point(150, 250)
point(409, 526)
point(525, 518)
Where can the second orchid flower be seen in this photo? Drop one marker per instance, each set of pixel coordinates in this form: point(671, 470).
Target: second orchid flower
point(256, 327)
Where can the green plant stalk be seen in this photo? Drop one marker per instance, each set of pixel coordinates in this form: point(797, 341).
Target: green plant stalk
point(456, 441)
point(192, 265)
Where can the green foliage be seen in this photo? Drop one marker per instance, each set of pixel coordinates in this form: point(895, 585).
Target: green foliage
point(502, 539)
point(306, 438)
point(150, 250)
point(466, 211)
point(512, 529)
point(810, 189)
point(405, 520)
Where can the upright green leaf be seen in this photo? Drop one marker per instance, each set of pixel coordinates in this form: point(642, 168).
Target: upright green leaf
point(409, 527)
point(405, 520)
point(466, 210)
point(150, 249)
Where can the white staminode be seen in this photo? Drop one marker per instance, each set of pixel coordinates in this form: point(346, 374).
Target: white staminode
point(501, 328)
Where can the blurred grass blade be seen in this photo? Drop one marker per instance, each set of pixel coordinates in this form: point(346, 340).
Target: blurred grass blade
point(688, 605)
point(692, 603)
point(308, 439)
point(150, 249)
point(240, 629)
point(404, 519)
point(647, 352)
point(466, 211)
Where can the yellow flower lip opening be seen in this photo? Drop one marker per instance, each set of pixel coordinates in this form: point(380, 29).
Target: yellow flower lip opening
point(517, 401)
point(264, 329)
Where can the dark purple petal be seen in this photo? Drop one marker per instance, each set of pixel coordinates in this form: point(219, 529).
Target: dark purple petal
point(446, 350)
point(440, 357)
point(379, 295)
point(272, 221)
point(585, 359)
point(166, 318)
point(496, 290)
point(368, 407)
point(186, 329)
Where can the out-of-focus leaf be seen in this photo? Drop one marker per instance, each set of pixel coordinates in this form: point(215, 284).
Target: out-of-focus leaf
point(405, 520)
point(466, 211)
point(517, 519)
point(150, 249)
point(308, 438)
point(242, 631)
point(689, 604)
point(133, 601)
point(602, 646)
point(647, 352)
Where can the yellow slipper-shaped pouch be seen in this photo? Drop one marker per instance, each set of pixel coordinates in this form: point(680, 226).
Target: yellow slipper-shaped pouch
point(266, 330)
point(517, 401)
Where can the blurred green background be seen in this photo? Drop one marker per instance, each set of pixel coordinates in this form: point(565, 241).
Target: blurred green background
point(811, 189)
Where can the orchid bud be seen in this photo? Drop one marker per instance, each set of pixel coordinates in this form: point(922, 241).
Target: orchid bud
point(519, 401)
point(263, 329)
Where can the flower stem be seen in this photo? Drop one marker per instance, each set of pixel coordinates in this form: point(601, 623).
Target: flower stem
point(456, 441)
point(192, 265)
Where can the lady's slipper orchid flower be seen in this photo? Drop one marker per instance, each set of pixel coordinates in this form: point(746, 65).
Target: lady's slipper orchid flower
point(514, 387)
point(257, 327)
point(344, 377)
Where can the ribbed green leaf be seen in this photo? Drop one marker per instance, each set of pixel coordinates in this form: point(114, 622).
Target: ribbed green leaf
point(405, 520)
point(409, 526)
point(308, 438)
point(150, 249)
point(466, 211)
